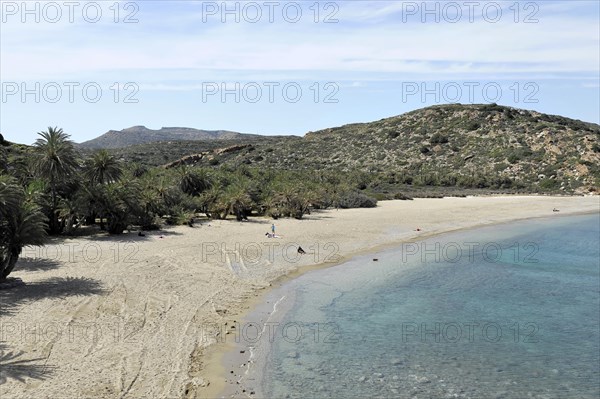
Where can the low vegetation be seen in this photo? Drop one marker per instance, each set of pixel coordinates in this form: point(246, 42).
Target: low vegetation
point(50, 188)
point(55, 187)
point(446, 149)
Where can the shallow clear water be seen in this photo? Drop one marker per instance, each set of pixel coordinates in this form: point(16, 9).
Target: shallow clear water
point(426, 320)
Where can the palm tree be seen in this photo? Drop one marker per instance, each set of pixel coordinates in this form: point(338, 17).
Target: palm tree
point(168, 194)
point(149, 208)
point(193, 183)
point(271, 205)
point(10, 196)
point(69, 211)
point(137, 170)
point(210, 202)
point(3, 159)
point(21, 224)
point(236, 200)
point(55, 162)
point(103, 168)
point(119, 202)
point(295, 200)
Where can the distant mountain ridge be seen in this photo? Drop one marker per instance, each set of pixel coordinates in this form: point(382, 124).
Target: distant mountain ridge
point(142, 135)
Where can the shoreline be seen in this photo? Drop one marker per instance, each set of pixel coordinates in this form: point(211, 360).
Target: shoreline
point(133, 316)
point(217, 354)
point(262, 375)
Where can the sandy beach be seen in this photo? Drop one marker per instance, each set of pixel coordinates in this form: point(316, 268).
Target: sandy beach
point(132, 316)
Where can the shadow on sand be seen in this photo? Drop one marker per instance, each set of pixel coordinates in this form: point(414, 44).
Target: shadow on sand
point(36, 265)
point(56, 287)
point(133, 236)
point(94, 233)
point(13, 365)
point(317, 216)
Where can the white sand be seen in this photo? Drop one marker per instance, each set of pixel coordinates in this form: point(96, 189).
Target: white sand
point(127, 316)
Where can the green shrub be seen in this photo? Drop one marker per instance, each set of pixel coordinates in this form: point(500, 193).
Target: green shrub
point(518, 154)
point(381, 196)
point(406, 179)
point(149, 222)
point(438, 138)
point(493, 107)
point(403, 197)
point(473, 126)
point(354, 199)
point(500, 167)
point(548, 184)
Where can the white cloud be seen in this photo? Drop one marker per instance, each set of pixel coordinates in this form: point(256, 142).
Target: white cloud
point(205, 51)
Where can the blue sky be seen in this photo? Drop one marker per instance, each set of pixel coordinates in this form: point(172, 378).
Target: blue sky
point(275, 71)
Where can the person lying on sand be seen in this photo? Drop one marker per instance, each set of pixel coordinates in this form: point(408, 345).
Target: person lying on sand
point(269, 235)
point(555, 210)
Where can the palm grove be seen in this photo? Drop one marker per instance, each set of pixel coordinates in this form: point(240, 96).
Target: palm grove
point(51, 189)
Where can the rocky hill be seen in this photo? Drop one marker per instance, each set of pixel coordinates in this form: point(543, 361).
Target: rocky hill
point(453, 141)
point(141, 135)
point(454, 146)
point(469, 146)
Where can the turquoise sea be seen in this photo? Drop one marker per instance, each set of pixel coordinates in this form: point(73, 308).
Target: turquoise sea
point(505, 311)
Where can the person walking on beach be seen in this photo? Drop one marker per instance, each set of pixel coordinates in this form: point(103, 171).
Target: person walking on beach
point(273, 228)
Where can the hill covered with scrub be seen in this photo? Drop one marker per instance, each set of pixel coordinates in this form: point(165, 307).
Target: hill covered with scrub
point(448, 146)
point(57, 187)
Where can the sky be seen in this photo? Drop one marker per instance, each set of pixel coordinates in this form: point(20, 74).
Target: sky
point(286, 67)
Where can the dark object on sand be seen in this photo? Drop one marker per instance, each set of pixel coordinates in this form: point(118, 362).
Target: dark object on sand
point(375, 260)
point(190, 223)
point(555, 210)
point(141, 234)
point(301, 251)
